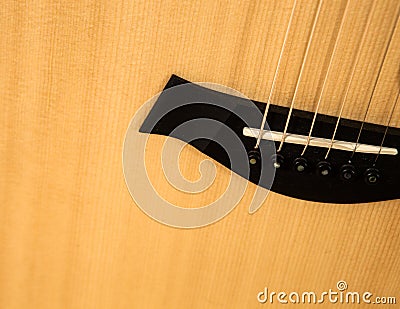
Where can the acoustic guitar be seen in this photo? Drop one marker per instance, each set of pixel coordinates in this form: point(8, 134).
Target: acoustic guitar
point(200, 154)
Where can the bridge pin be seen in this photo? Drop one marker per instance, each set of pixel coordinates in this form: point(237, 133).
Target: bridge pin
point(277, 160)
point(348, 172)
point(324, 168)
point(300, 165)
point(254, 157)
point(372, 176)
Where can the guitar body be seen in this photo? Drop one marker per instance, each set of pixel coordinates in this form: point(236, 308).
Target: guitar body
point(74, 74)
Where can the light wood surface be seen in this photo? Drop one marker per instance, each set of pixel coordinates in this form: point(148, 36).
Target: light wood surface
point(72, 75)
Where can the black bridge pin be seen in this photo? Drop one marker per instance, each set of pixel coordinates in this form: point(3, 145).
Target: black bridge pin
point(348, 172)
point(277, 160)
point(372, 176)
point(254, 157)
point(324, 168)
point(300, 164)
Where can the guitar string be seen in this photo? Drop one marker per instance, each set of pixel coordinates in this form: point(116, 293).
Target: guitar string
point(275, 76)
point(310, 38)
point(326, 76)
point(387, 127)
point(376, 83)
point(370, 14)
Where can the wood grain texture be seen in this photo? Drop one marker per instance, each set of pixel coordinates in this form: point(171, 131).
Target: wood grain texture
point(72, 75)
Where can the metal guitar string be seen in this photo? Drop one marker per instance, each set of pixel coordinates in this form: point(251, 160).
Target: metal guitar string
point(387, 126)
point(326, 76)
point(275, 76)
point(351, 77)
point(300, 75)
point(376, 83)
